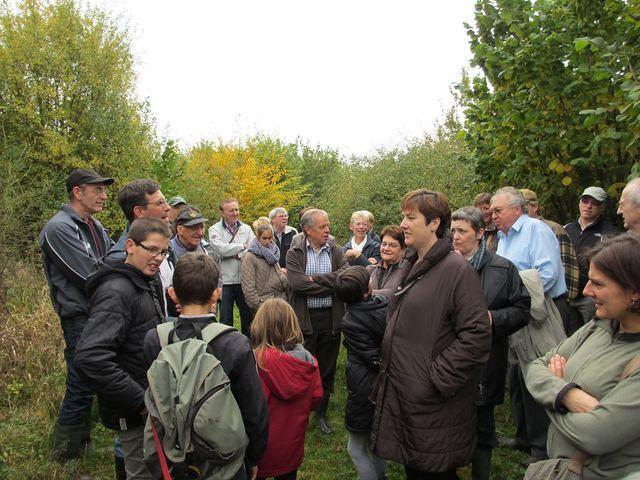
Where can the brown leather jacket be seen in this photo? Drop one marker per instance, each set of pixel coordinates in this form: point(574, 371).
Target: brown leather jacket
point(300, 286)
point(438, 334)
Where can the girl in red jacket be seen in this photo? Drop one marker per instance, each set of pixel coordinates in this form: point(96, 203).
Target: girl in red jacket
point(290, 381)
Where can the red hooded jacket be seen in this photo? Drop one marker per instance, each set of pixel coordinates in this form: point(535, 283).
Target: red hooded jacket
point(293, 389)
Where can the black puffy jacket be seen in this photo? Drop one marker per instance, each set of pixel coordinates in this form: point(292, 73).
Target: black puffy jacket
point(363, 327)
point(124, 305)
point(509, 303)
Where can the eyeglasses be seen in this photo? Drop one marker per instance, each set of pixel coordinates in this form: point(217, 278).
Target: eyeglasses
point(153, 251)
point(157, 203)
point(498, 211)
point(588, 200)
point(98, 189)
point(389, 245)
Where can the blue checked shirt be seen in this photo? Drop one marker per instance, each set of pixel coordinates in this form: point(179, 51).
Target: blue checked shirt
point(318, 263)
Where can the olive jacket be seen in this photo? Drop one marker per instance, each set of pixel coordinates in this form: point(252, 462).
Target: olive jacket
point(596, 356)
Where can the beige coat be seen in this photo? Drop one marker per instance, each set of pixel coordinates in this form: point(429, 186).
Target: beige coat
point(261, 281)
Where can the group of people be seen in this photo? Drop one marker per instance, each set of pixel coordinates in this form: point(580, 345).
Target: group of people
point(435, 313)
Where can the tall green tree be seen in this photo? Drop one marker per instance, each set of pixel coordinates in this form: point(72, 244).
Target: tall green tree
point(555, 103)
point(67, 100)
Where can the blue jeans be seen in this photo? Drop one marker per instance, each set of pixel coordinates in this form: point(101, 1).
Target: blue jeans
point(233, 294)
point(77, 396)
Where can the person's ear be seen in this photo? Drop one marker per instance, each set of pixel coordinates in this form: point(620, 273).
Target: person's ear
point(436, 224)
point(172, 295)
point(129, 245)
point(215, 295)
point(138, 211)
point(480, 234)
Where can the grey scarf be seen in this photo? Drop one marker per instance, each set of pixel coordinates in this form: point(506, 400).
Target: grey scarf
point(480, 257)
point(270, 254)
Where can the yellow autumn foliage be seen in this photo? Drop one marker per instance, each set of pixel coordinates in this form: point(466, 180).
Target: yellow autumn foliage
point(260, 182)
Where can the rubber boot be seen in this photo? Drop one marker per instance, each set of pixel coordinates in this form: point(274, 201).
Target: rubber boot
point(121, 473)
point(118, 455)
point(67, 442)
point(481, 464)
point(86, 434)
point(321, 415)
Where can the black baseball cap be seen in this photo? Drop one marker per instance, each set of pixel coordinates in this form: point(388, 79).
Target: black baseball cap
point(189, 218)
point(81, 176)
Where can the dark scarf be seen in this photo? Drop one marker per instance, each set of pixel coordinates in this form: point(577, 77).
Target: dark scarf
point(271, 254)
point(480, 257)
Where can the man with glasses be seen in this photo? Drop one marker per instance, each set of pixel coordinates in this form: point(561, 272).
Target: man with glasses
point(126, 302)
point(71, 242)
point(143, 199)
point(529, 244)
point(586, 232)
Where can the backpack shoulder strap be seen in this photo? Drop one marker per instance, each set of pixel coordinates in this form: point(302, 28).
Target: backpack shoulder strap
point(164, 330)
point(631, 367)
point(214, 330)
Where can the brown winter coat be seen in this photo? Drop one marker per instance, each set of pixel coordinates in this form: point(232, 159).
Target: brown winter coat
point(438, 334)
point(261, 281)
point(300, 286)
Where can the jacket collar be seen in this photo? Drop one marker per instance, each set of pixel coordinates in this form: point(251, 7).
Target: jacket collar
point(440, 249)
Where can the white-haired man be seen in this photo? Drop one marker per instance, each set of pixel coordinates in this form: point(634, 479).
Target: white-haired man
point(530, 244)
point(629, 206)
point(283, 233)
point(312, 262)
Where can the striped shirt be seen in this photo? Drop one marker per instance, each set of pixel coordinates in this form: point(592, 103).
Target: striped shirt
point(318, 263)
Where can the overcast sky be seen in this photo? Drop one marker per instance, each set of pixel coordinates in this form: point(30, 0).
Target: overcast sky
point(353, 75)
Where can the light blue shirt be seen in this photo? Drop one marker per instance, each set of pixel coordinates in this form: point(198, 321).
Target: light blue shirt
point(530, 243)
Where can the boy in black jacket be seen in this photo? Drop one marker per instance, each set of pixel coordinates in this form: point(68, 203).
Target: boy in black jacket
point(195, 289)
point(126, 300)
point(363, 327)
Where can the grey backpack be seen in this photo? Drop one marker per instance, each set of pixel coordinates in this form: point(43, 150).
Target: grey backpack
point(191, 405)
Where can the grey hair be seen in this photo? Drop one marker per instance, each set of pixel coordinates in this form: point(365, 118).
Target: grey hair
point(277, 211)
point(472, 215)
point(633, 191)
point(516, 199)
point(307, 218)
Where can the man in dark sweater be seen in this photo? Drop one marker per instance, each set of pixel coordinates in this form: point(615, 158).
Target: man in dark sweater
point(71, 243)
point(126, 301)
point(585, 233)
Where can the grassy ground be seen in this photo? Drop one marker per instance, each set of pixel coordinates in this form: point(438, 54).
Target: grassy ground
point(32, 384)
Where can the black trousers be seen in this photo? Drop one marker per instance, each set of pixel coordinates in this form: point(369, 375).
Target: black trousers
point(233, 294)
point(530, 417)
point(323, 345)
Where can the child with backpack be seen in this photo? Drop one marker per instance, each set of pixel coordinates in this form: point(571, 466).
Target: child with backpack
point(291, 382)
point(204, 398)
point(363, 327)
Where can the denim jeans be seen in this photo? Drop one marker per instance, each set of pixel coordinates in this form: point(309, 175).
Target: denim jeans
point(77, 396)
point(233, 294)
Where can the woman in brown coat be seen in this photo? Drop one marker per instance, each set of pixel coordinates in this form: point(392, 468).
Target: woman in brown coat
point(260, 274)
point(438, 334)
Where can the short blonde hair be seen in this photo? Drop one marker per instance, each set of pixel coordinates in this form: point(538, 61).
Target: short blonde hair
point(360, 215)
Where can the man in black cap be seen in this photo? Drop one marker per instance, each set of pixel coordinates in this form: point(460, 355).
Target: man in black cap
point(190, 232)
point(72, 241)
